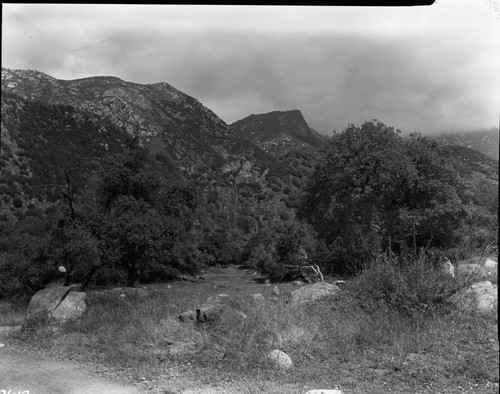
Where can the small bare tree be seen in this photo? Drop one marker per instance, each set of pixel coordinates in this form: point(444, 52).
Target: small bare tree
point(306, 264)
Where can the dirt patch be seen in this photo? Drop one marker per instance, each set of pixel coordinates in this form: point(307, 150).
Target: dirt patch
point(22, 372)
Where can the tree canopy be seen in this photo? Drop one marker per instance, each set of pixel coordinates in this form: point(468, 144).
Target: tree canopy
point(372, 190)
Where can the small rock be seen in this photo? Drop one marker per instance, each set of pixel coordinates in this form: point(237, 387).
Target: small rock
point(267, 281)
point(447, 268)
point(297, 283)
point(188, 316)
point(130, 292)
point(490, 264)
point(1, 345)
point(494, 344)
point(322, 391)
point(258, 299)
point(280, 359)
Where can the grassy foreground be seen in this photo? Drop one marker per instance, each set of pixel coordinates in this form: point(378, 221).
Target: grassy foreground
point(389, 331)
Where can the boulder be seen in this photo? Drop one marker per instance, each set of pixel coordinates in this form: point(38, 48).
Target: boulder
point(280, 359)
point(216, 314)
point(71, 308)
point(57, 304)
point(220, 309)
point(479, 297)
point(313, 292)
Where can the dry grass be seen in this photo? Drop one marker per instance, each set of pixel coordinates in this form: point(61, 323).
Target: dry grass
point(347, 343)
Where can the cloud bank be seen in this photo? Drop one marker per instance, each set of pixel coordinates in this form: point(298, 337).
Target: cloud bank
point(427, 69)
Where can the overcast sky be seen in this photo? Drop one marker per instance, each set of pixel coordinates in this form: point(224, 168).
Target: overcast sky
point(428, 69)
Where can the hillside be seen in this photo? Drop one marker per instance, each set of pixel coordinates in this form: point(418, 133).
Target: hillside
point(246, 180)
point(470, 160)
point(165, 119)
point(278, 132)
point(54, 129)
point(484, 141)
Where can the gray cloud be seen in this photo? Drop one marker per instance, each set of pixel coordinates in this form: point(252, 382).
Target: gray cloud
point(417, 70)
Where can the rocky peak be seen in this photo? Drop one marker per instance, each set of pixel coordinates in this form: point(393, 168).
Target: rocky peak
point(278, 131)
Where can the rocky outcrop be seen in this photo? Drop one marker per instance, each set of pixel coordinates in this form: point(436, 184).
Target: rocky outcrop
point(278, 132)
point(313, 292)
point(56, 305)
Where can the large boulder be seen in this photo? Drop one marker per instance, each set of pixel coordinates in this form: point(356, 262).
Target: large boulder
point(58, 305)
point(479, 297)
point(313, 292)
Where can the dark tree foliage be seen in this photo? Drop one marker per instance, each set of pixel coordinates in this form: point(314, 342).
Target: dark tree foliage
point(373, 191)
point(131, 225)
point(24, 262)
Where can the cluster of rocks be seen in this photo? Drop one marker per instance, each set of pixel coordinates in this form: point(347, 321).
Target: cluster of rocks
point(54, 306)
point(224, 310)
point(481, 296)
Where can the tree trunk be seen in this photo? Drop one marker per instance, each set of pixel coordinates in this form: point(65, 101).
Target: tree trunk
point(403, 249)
point(132, 272)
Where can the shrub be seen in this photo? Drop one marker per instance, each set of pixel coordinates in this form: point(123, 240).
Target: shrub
point(417, 287)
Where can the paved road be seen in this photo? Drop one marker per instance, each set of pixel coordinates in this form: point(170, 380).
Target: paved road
point(21, 373)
